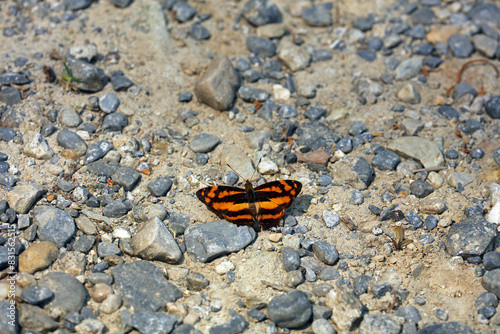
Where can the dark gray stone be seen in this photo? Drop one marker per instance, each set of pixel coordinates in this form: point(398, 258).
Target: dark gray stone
point(486, 299)
point(449, 112)
point(136, 281)
point(127, 177)
point(470, 237)
point(460, 45)
point(114, 122)
point(409, 313)
point(424, 15)
point(153, 322)
point(235, 325)
point(196, 281)
point(386, 160)
point(288, 111)
point(462, 89)
point(92, 78)
point(365, 171)
point(379, 323)
point(251, 94)
point(9, 78)
point(55, 225)
point(117, 208)
point(96, 151)
point(421, 189)
point(71, 141)
point(261, 12)
point(491, 260)
point(109, 103)
point(290, 310)
point(106, 248)
point(120, 82)
point(207, 241)
point(84, 243)
point(10, 96)
point(485, 12)
point(325, 252)
point(160, 187)
point(492, 107)
point(472, 125)
point(36, 295)
point(345, 145)
point(315, 113)
point(121, 3)
point(199, 32)
point(451, 327)
point(261, 46)
point(318, 15)
point(183, 11)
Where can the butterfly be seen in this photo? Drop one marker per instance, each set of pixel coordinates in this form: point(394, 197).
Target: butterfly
point(264, 205)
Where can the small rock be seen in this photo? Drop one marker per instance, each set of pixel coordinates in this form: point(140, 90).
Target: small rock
point(470, 237)
point(386, 160)
point(325, 252)
point(460, 45)
point(455, 178)
point(318, 15)
point(72, 141)
point(409, 94)
point(204, 143)
point(422, 150)
point(55, 225)
point(69, 294)
point(290, 310)
point(492, 107)
point(346, 307)
point(261, 12)
point(293, 56)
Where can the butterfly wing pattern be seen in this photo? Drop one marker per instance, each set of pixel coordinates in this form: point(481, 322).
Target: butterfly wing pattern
point(264, 205)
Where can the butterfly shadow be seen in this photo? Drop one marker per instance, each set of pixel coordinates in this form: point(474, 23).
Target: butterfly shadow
point(300, 205)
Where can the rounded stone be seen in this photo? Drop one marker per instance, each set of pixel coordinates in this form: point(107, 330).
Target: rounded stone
point(290, 310)
point(38, 256)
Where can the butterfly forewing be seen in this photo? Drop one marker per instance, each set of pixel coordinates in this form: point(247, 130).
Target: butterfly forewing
point(265, 204)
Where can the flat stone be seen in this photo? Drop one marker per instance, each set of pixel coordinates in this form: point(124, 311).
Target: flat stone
point(293, 56)
point(453, 179)
point(204, 143)
point(55, 225)
point(409, 68)
point(210, 240)
point(325, 252)
point(422, 150)
point(10, 96)
point(23, 197)
point(218, 85)
point(33, 318)
point(38, 256)
point(69, 294)
point(135, 281)
point(93, 78)
point(72, 141)
point(470, 237)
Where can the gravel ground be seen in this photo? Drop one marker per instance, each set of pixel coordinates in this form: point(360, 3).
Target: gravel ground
point(114, 113)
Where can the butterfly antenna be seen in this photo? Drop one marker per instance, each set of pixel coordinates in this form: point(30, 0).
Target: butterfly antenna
point(241, 177)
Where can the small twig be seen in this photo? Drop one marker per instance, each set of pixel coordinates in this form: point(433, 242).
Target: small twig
point(430, 169)
point(464, 66)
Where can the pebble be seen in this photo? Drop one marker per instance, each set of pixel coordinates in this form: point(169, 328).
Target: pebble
point(183, 11)
point(114, 122)
point(325, 252)
point(259, 12)
point(107, 248)
point(223, 238)
point(421, 189)
point(93, 78)
point(460, 45)
point(432, 205)
point(379, 324)
point(153, 241)
point(408, 68)
point(10, 96)
point(152, 322)
point(261, 46)
point(199, 32)
point(109, 103)
point(36, 295)
point(251, 94)
point(38, 256)
point(196, 281)
point(344, 145)
point(23, 197)
point(414, 219)
point(386, 160)
point(160, 187)
point(491, 260)
point(357, 197)
point(38, 148)
point(267, 167)
point(430, 223)
point(272, 30)
point(293, 56)
point(492, 107)
point(121, 83)
point(117, 208)
point(412, 126)
point(55, 225)
point(409, 94)
point(290, 310)
point(72, 141)
point(450, 327)
point(218, 85)
point(470, 237)
point(96, 151)
point(111, 304)
point(237, 324)
point(331, 218)
point(33, 318)
point(486, 45)
point(318, 15)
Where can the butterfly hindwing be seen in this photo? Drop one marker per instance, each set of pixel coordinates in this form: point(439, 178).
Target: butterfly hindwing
point(273, 198)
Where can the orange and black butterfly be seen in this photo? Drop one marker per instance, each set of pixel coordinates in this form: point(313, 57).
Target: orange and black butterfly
point(264, 205)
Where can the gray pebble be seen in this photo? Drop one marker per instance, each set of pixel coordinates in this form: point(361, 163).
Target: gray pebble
point(36, 295)
point(160, 187)
point(261, 12)
point(183, 11)
point(251, 94)
point(93, 79)
point(121, 82)
point(204, 143)
point(152, 322)
point(449, 112)
point(69, 294)
point(357, 197)
point(261, 46)
point(109, 103)
point(386, 160)
point(70, 140)
point(491, 260)
point(492, 107)
point(290, 259)
point(379, 323)
point(421, 189)
point(10, 96)
point(69, 117)
point(318, 15)
point(55, 225)
point(9, 78)
point(409, 313)
point(107, 248)
point(127, 177)
point(290, 310)
point(196, 281)
point(96, 151)
point(325, 252)
point(199, 32)
point(345, 145)
point(460, 45)
point(84, 243)
point(236, 324)
point(329, 274)
point(114, 122)
point(315, 113)
point(409, 68)
point(288, 111)
point(117, 208)
point(451, 327)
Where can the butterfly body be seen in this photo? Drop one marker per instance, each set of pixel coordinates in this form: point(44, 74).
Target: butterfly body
point(264, 205)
